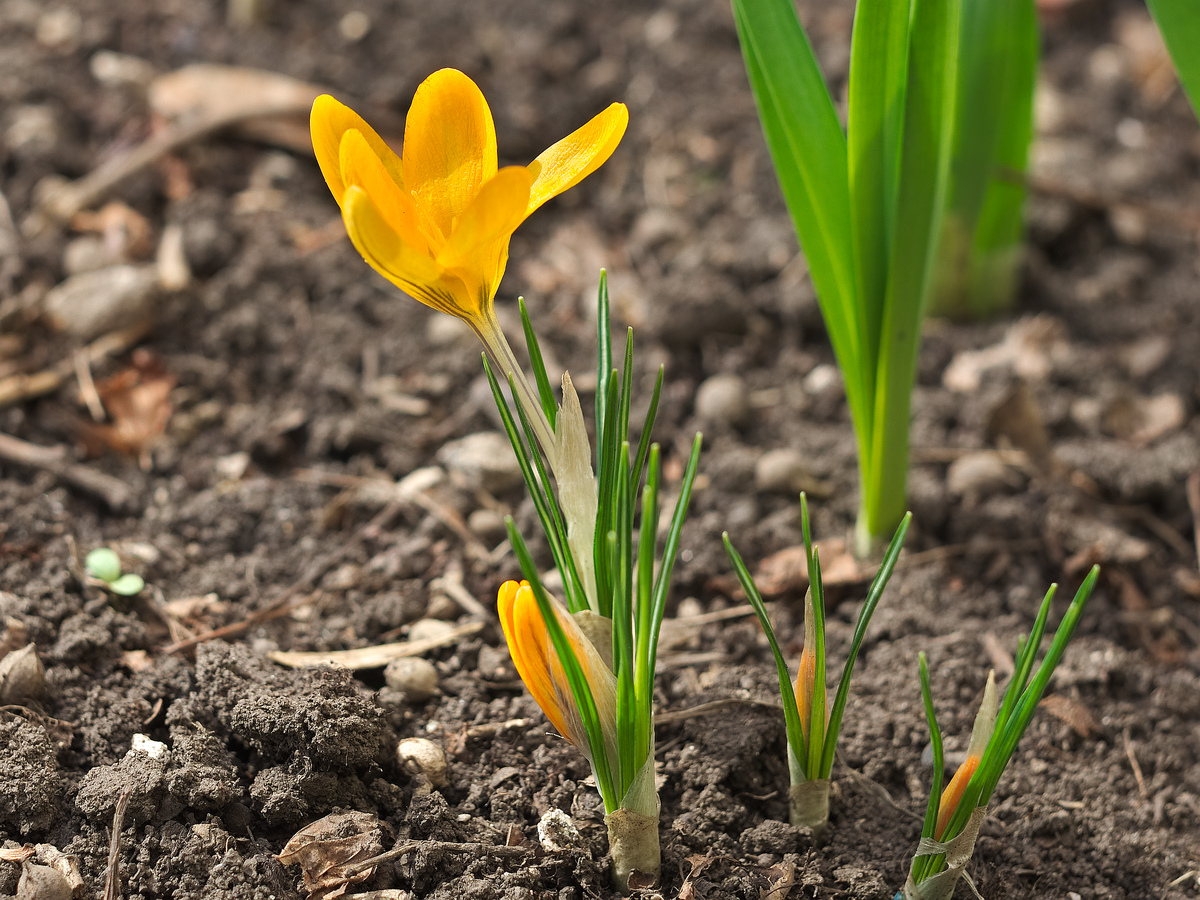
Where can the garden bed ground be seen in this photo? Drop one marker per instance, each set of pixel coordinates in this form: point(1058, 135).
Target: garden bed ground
point(304, 387)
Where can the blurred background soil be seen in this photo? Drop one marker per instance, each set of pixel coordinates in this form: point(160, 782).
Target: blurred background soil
point(206, 378)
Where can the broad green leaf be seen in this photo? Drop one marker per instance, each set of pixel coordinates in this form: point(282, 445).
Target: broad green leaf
point(809, 151)
point(127, 585)
point(924, 164)
point(104, 564)
point(874, 131)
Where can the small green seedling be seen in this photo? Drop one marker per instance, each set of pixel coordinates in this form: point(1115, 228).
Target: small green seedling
point(104, 565)
point(812, 726)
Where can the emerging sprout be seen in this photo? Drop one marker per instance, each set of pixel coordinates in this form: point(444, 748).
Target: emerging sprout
point(812, 732)
point(104, 565)
point(953, 816)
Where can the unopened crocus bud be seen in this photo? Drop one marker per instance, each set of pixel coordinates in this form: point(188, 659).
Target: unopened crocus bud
point(981, 733)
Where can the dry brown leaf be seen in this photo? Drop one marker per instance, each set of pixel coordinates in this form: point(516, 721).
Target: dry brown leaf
point(138, 403)
point(214, 91)
point(1074, 713)
point(1031, 349)
point(126, 232)
point(780, 879)
point(325, 849)
point(788, 569)
point(1146, 54)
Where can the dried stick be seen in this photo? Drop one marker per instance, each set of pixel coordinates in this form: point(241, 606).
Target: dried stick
point(79, 195)
point(16, 388)
point(112, 877)
point(116, 493)
point(451, 846)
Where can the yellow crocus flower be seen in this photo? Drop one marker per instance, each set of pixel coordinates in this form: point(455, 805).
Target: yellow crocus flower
point(437, 219)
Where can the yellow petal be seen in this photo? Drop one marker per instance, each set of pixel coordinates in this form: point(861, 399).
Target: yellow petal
point(577, 155)
point(533, 653)
point(491, 218)
point(403, 265)
point(529, 646)
point(361, 168)
point(328, 121)
point(449, 146)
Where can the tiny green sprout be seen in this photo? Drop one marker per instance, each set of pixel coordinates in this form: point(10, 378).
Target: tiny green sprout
point(104, 565)
point(812, 725)
point(953, 815)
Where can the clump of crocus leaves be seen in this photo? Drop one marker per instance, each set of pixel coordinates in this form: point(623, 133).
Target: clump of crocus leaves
point(953, 816)
point(436, 222)
point(812, 729)
point(590, 663)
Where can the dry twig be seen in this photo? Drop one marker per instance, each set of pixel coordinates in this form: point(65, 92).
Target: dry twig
point(112, 877)
point(116, 493)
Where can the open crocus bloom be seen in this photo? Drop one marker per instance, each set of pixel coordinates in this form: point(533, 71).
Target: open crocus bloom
point(538, 664)
point(436, 221)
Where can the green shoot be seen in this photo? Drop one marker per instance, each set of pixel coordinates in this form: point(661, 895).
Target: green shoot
point(951, 823)
point(104, 565)
point(980, 252)
point(866, 205)
point(811, 733)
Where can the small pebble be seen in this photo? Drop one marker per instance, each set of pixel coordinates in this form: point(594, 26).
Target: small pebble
point(722, 401)
point(978, 475)
point(557, 832)
point(483, 460)
point(420, 756)
point(354, 26)
point(782, 471)
point(141, 743)
point(85, 253)
point(689, 607)
point(42, 883)
point(93, 303)
point(412, 676)
point(822, 378)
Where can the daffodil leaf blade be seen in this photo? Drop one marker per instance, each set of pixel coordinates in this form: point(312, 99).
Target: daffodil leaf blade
point(1179, 22)
point(924, 168)
point(808, 148)
point(874, 132)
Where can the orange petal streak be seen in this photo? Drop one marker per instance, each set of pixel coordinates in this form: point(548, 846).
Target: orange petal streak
point(953, 794)
point(805, 680)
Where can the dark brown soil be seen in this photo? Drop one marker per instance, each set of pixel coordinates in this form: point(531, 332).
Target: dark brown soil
point(306, 387)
